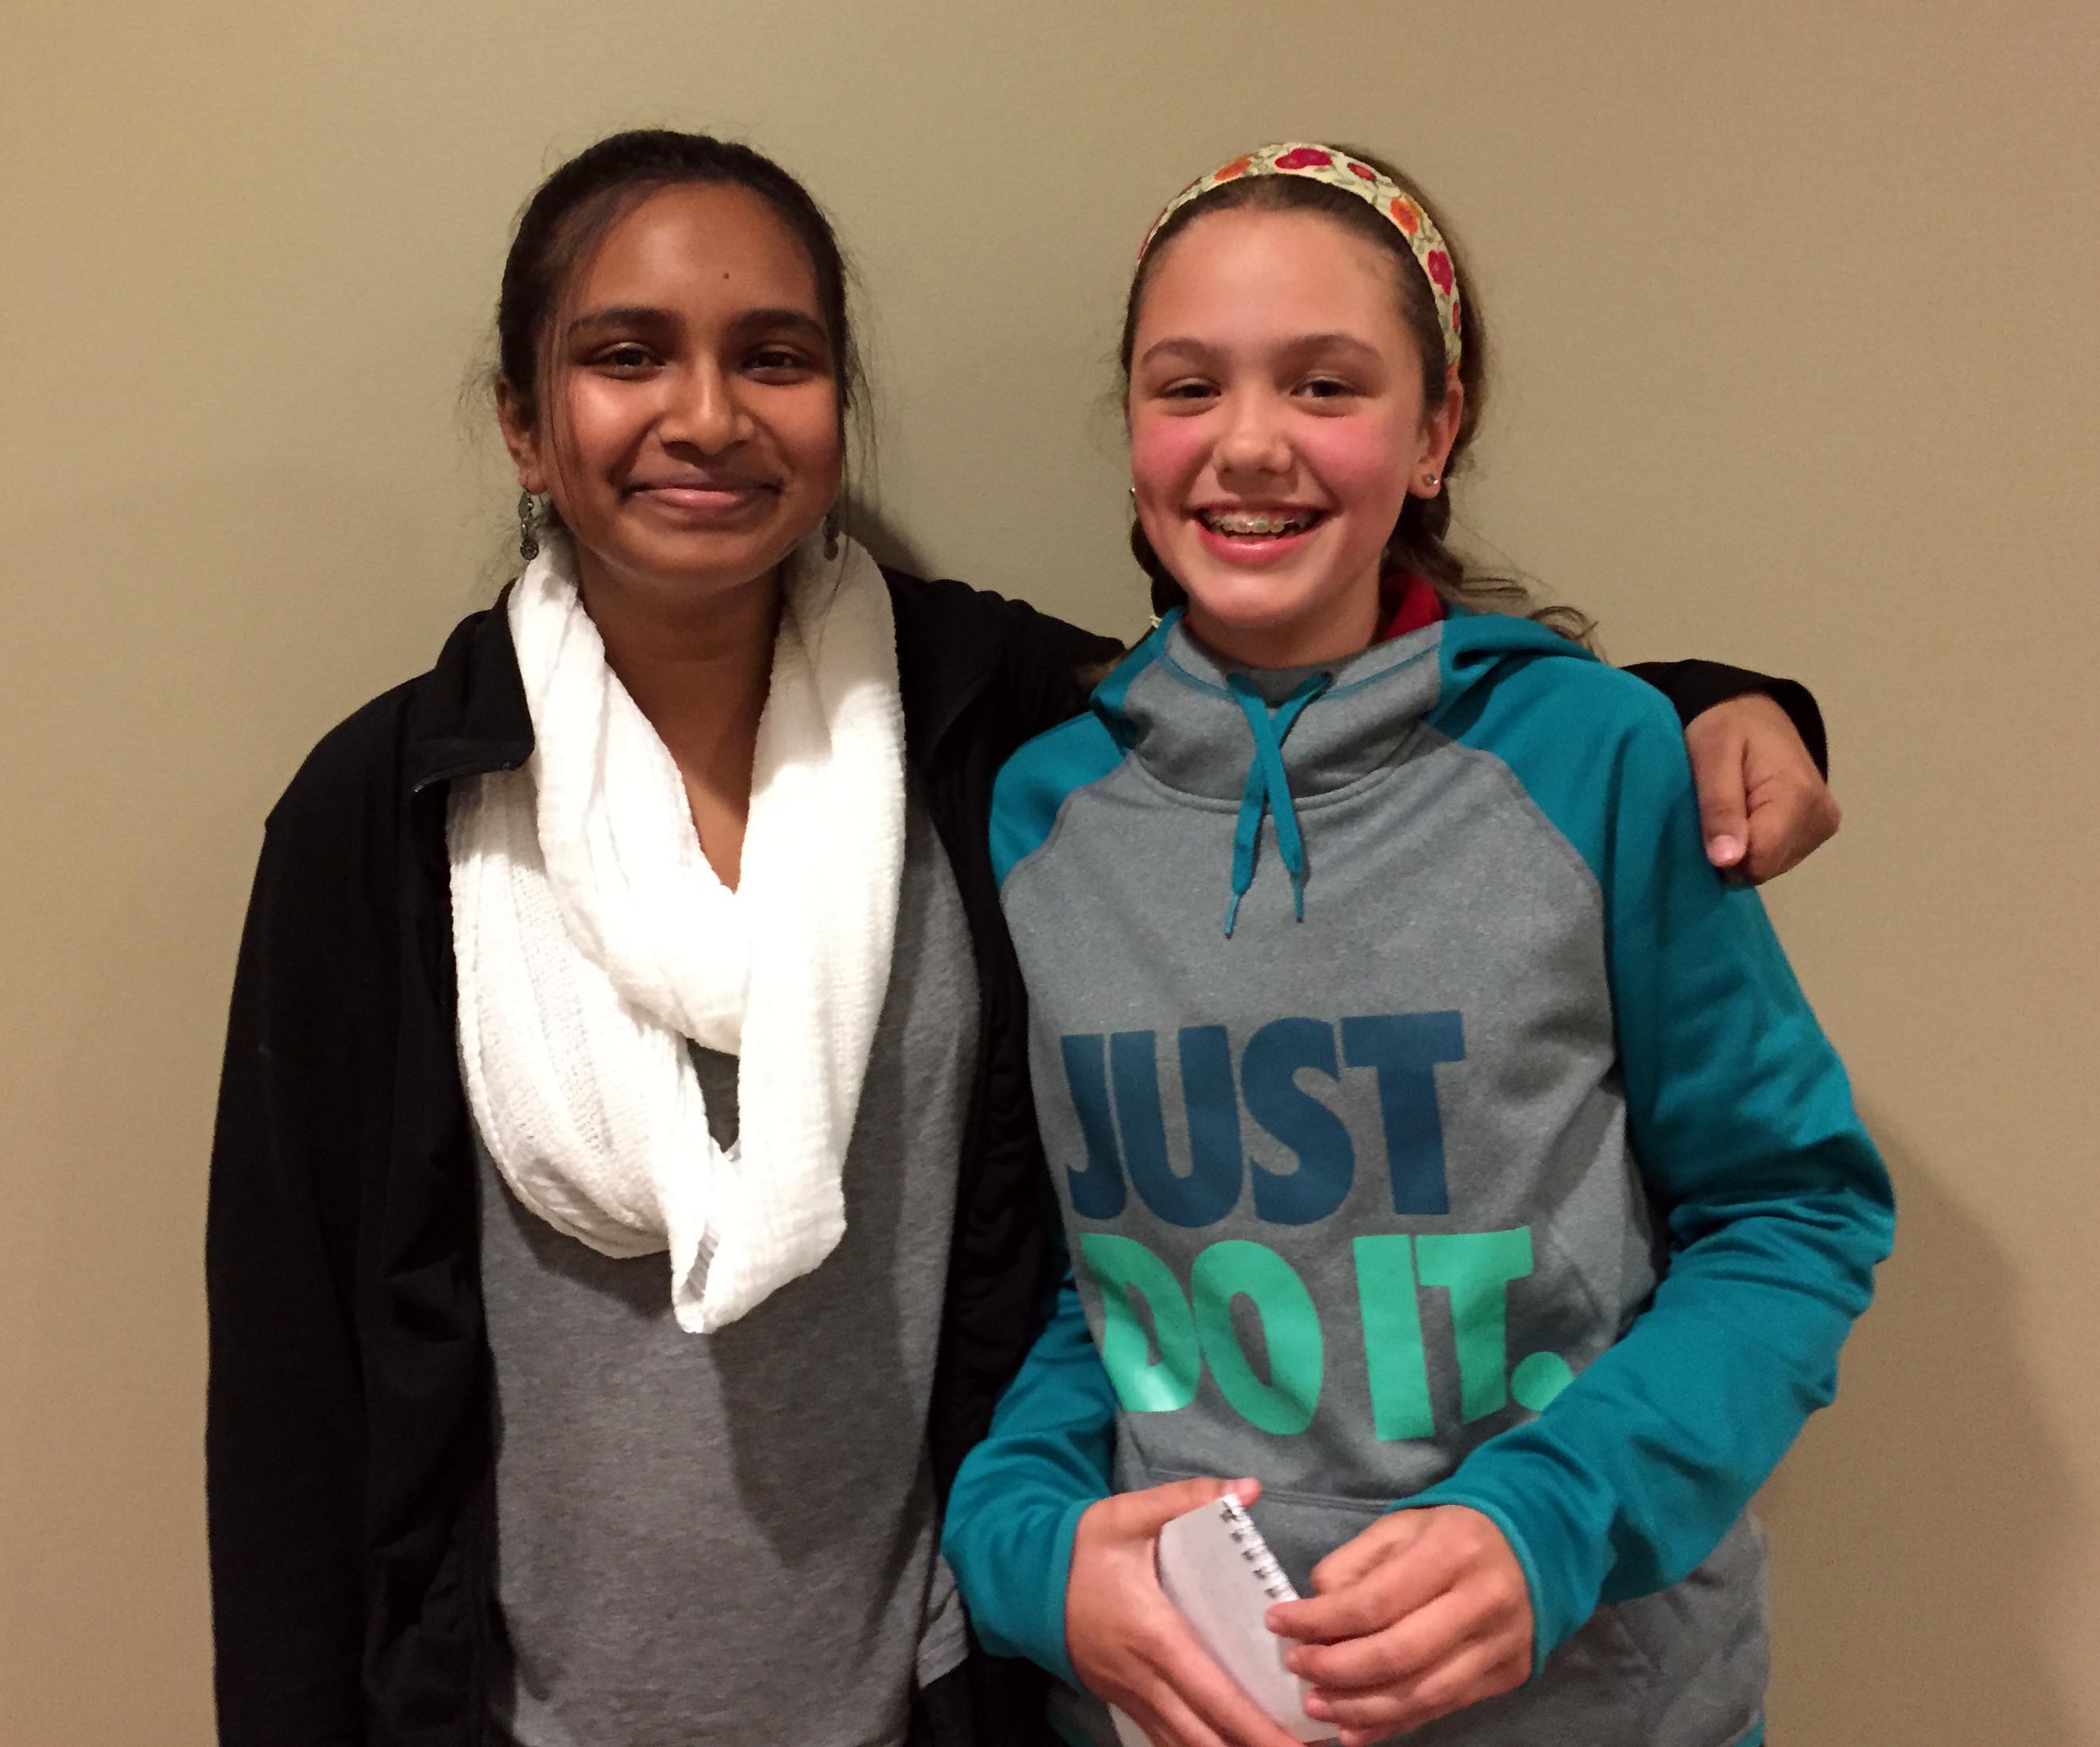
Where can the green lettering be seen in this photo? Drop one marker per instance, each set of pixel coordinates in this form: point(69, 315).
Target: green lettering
point(1475, 1268)
point(1126, 1271)
point(1537, 1380)
point(1392, 1339)
point(1284, 1405)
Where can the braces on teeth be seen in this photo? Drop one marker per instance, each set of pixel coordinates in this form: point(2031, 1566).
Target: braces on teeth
point(1259, 524)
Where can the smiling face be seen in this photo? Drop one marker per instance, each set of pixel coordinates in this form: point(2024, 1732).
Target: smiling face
point(1276, 427)
point(689, 428)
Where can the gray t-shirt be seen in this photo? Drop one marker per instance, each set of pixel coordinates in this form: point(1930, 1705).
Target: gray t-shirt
point(731, 1538)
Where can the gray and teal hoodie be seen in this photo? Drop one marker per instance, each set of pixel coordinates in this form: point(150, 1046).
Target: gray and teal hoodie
point(1431, 1125)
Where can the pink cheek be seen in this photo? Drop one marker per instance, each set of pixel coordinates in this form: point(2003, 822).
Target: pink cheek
point(1165, 455)
point(1357, 462)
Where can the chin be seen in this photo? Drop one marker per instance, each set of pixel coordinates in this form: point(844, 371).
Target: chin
point(716, 564)
point(1264, 626)
point(1255, 605)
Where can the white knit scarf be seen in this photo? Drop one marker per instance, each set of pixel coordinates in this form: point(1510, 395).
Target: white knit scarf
point(592, 940)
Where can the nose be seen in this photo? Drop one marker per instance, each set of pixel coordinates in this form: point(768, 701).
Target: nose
point(1255, 438)
point(703, 411)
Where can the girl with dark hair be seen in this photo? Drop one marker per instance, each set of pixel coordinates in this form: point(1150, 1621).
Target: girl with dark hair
point(625, 1204)
point(1448, 1158)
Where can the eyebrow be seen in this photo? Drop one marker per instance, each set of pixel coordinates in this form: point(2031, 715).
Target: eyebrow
point(798, 321)
point(649, 317)
point(622, 316)
point(1298, 346)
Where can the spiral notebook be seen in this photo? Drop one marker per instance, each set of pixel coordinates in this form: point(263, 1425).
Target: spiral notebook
point(1217, 1570)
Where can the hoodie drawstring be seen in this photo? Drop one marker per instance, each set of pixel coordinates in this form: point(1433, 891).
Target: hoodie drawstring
point(1268, 788)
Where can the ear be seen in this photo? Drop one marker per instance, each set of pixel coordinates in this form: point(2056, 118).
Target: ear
point(1440, 430)
point(521, 436)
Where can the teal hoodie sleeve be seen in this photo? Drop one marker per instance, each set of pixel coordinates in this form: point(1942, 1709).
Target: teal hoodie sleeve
point(1015, 1503)
point(1777, 1205)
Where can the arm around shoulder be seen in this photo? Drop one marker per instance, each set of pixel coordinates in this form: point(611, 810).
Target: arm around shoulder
point(1760, 761)
point(1043, 666)
point(1694, 687)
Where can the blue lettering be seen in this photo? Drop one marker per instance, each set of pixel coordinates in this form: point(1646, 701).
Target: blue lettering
point(1217, 1166)
point(1326, 1161)
point(1207, 1193)
point(1097, 1190)
point(1404, 1049)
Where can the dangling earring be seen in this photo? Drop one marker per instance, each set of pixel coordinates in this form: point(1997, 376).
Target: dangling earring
point(529, 526)
point(831, 534)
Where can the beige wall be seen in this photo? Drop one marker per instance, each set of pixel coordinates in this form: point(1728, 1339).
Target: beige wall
point(1799, 315)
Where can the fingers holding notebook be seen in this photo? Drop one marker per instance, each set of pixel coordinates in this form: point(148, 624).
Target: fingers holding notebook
point(1424, 1613)
point(1130, 1645)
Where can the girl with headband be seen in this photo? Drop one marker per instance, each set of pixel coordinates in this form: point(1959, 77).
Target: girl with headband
point(625, 1204)
point(1447, 1156)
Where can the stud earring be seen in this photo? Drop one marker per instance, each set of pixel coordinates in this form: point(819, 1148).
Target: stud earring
point(1430, 480)
point(529, 526)
point(831, 534)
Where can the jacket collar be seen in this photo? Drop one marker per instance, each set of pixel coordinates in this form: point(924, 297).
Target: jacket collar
point(470, 715)
point(949, 640)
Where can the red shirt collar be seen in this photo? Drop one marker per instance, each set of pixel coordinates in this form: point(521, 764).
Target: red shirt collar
point(1407, 601)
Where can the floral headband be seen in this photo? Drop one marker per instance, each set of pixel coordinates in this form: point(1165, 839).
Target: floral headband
point(1338, 169)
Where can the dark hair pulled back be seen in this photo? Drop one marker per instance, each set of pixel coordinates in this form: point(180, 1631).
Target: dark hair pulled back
point(1419, 542)
point(570, 213)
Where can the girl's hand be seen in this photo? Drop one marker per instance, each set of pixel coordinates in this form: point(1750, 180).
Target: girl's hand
point(1763, 806)
point(1424, 1613)
point(1129, 1643)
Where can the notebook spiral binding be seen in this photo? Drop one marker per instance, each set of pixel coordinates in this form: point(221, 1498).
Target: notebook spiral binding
point(1254, 1550)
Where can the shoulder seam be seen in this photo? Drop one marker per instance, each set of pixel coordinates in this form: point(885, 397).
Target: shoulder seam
point(1020, 786)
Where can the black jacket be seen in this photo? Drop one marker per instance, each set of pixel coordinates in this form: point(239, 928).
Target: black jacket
point(350, 1480)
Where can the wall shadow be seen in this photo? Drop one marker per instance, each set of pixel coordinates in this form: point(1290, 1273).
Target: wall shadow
point(1915, 1526)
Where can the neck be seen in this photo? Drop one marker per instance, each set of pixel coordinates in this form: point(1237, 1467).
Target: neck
point(700, 676)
